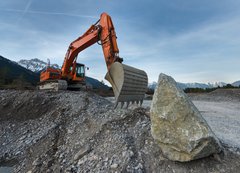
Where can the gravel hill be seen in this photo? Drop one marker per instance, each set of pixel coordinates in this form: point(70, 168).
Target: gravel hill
point(42, 131)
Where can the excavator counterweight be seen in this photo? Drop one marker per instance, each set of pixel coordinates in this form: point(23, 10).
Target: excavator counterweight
point(129, 84)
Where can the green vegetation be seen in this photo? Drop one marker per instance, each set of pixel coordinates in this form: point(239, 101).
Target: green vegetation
point(150, 91)
point(206, 90)
point(230, 86)
point(198, 90)
point(14, 83)
point(13, 76)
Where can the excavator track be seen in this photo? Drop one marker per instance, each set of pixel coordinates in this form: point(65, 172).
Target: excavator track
point(129, 84)
point(53, 85)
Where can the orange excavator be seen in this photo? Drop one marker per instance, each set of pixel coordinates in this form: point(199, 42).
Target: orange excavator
point(129, 84)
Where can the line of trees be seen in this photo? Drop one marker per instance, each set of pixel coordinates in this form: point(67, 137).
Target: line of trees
point(19, 82)
point(198, 90)
point(203, 90)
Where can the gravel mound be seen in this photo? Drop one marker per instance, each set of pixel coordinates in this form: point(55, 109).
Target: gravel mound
point(81, 132)
point(218, 95)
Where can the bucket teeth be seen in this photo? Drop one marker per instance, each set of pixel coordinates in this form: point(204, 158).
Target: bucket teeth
point(137, 102)
point(116, 104)
point(127, 105)
point(122, 103)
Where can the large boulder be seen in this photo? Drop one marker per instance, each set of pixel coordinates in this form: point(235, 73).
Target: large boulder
point(177, 125)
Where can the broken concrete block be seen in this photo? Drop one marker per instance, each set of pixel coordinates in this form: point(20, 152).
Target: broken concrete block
point(177, 125)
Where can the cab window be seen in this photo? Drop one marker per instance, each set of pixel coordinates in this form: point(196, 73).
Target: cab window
point(80, 71)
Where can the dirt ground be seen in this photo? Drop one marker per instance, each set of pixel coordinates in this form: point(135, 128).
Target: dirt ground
point(80, 131)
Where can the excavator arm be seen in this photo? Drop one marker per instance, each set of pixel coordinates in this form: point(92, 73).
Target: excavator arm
point(102, 31)
point(128, 83)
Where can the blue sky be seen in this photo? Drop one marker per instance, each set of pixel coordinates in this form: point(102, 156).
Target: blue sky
point(191, 40)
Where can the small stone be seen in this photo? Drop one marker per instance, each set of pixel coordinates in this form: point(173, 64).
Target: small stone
point(70, 131)
point(139, 166)
point(27, 142)
point(83, 151)
point(94, 157)
point(114, 166)
point(217, 158)
point(81, 161)
point(49, 171)
point(124, 153)
point(127, 154)
point(61, 155)
point(18, 152)
point(131, 153)
point(24, 136)
point(36, 162)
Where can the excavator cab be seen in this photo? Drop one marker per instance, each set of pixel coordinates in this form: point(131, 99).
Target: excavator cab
point(80, 70)
point(78, 73)
point(78, 79)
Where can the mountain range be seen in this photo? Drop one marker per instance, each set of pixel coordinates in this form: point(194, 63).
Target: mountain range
point(35, 65)
point(237, 83)
point(12, 74)
point(30, 69)
point(28, 72)
point(198, 85)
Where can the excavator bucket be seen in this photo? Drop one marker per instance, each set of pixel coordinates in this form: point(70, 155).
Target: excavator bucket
point(129, 84)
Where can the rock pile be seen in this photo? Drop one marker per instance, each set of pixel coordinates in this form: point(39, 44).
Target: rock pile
point(81, 132)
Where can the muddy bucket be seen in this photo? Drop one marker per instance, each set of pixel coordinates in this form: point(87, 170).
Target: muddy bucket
point(129, 84)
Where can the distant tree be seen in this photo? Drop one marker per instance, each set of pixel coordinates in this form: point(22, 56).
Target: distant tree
point(20, 82)
point(2, 82)
point(228, 86)
point(150, 91)
point(198, 90)
point(102, 82)
point(4, 73)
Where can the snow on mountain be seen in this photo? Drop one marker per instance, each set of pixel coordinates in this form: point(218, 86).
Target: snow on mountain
point(216, 84)
point(35, 65)
point(152, 85)
point(11, 71)
point(193, 85)
point(236, 84)
point(197, 85)
point(182, 85)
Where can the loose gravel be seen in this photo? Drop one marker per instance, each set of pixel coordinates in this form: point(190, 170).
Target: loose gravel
point(74, 132)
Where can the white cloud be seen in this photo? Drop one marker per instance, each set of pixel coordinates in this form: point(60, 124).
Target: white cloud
point(26, 10)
